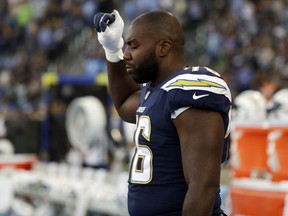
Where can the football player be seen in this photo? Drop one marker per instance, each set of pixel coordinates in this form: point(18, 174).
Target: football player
point(182, 115)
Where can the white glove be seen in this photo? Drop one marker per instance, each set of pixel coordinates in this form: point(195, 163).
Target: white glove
point(110, 34)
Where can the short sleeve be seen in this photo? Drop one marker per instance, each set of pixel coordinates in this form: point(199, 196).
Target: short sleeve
point(200, 89)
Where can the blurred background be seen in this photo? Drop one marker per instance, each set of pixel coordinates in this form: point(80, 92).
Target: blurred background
point(64, 150)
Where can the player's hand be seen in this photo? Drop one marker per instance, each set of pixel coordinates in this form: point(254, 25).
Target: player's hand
point(110, 29)
point(102, 20)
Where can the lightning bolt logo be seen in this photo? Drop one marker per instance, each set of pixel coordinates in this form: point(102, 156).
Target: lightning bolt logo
point(199, 83)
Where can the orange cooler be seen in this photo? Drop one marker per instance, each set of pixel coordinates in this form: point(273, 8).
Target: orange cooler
point(249, 151)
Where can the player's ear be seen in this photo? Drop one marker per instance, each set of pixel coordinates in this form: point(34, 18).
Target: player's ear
point(164, 47)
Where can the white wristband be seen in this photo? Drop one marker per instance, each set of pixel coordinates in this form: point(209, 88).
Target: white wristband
point(114, 56)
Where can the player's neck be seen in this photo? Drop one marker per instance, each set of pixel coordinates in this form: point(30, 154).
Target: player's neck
point(168, 71)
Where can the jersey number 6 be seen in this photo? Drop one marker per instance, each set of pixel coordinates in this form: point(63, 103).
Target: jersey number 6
point(142, 167)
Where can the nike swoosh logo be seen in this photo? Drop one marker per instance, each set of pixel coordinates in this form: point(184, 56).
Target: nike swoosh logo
point(196, 97)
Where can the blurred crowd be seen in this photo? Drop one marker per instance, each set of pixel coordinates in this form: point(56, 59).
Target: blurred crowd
point(34, 38)
point(245, 41)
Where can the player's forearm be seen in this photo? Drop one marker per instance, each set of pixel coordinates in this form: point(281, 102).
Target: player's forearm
point(123, 90)
point(199, 201)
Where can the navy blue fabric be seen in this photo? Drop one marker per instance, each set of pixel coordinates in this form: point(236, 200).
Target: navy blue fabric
point(164, 191)
point(102, 20)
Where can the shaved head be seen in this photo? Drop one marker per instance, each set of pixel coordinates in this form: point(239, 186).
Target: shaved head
point(161, 25)
point(154, 40)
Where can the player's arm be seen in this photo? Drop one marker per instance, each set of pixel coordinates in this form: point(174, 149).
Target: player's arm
point(201, 134)
point(124, 91)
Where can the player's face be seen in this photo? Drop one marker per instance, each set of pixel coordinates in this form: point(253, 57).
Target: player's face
point(141, 61)
point(146, 69)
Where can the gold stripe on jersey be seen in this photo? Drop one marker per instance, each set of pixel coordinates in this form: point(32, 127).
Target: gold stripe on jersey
point(198, 83)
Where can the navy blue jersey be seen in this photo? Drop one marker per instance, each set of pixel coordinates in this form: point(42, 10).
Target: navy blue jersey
point(156, 182)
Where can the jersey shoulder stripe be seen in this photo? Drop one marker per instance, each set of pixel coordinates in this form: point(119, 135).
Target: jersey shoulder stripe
point(198, 78)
